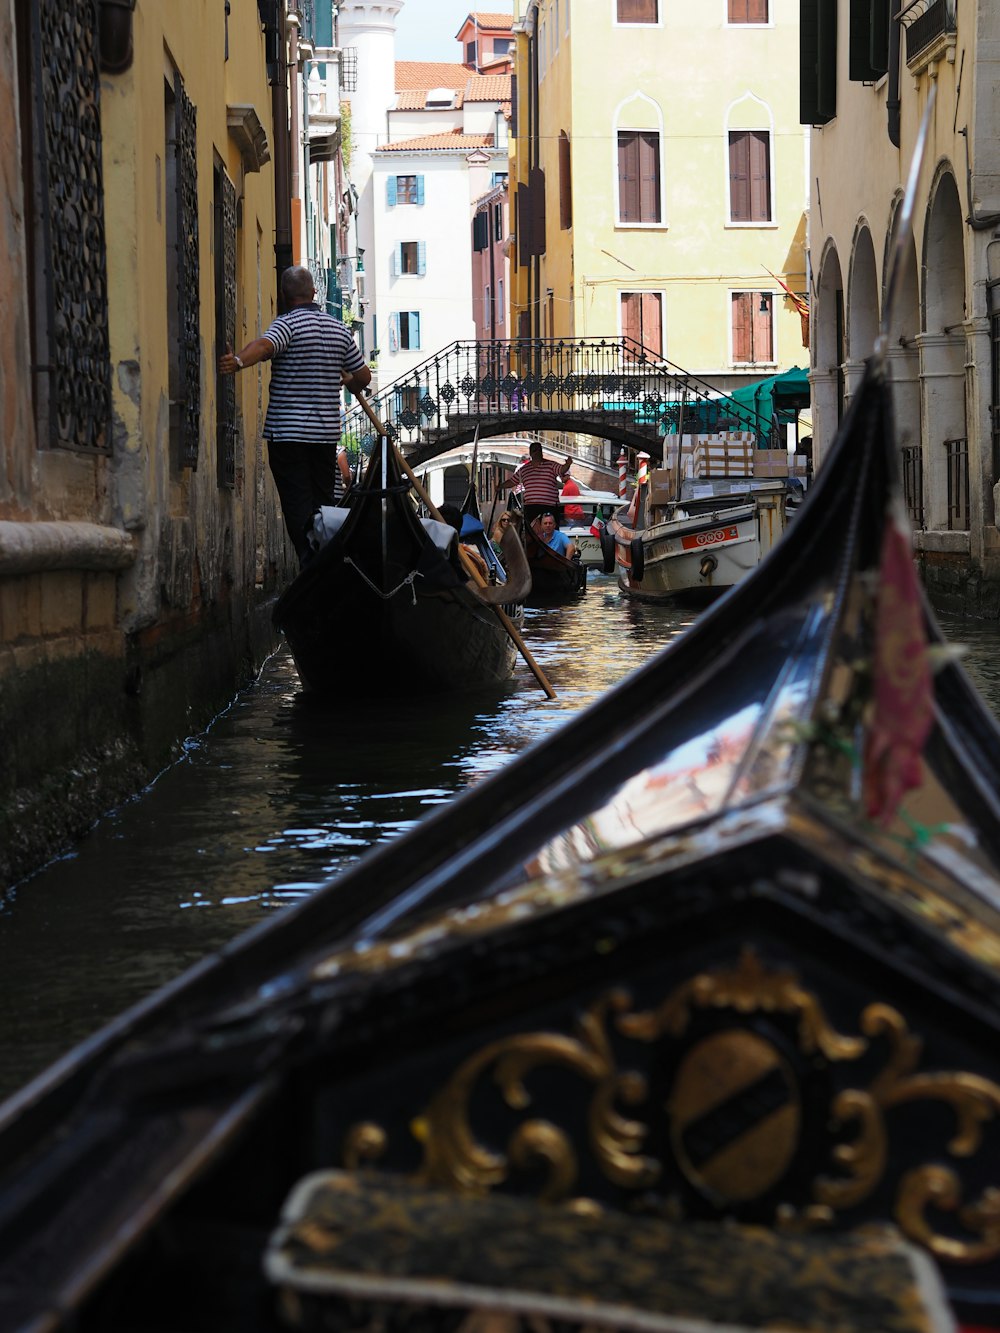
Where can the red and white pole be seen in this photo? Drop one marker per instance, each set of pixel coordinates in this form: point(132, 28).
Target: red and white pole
point(622, 475)
point(643, 476)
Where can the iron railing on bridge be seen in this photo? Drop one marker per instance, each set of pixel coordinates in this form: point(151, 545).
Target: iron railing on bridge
point(585, 379)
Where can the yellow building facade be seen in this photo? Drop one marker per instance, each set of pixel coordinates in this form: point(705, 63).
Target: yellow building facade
point(660, 176)
point(140, 537)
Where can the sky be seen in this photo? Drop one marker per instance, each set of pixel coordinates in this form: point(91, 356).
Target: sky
point(425, 29)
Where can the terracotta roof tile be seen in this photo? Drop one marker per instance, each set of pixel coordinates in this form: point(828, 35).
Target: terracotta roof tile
point(492, 21)
point(450, 139)
point(488, 88)
point(419, 75)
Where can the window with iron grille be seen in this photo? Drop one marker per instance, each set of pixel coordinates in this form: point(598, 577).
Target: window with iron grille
point(225, 322)
point(639, 176)
point(749, 176)
point(188, 273)
point(62, 159)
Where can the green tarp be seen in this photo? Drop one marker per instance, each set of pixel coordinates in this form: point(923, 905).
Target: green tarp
point(783, 396)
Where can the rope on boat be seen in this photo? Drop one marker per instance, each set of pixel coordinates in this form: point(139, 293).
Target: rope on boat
point(410, 579)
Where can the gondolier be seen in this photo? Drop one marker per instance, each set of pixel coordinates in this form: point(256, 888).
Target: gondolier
point(541, 479)
point(313, 354)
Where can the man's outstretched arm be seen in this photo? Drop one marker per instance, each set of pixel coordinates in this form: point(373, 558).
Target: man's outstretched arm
point(261, 349)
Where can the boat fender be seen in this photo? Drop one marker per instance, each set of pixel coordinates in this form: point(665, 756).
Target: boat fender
point(607, 551)
point(638, 559)
point(708, 565)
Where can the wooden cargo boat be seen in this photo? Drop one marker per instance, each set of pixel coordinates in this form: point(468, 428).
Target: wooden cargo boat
point(697, 547)
point(384, 603)
point(646, 1031)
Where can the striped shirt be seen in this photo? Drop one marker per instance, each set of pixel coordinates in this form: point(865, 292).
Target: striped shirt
point(311, 348)
point(540, 481)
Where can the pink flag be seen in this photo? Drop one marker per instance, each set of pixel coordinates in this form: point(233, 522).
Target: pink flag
point(903, 695)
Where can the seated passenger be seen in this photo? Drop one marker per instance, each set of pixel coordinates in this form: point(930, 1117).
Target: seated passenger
point(554, 539)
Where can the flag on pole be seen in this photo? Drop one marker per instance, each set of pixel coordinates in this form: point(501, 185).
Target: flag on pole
point(903, 692)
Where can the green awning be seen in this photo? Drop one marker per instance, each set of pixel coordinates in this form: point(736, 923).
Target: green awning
point(785, 395)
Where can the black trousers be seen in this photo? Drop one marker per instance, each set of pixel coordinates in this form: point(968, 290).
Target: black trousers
point(306, 478)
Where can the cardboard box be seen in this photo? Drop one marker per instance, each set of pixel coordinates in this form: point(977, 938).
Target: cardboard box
point(729, 454)
point(662, 485)
point(770, 463)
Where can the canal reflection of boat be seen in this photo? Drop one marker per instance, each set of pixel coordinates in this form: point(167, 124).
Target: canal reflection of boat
point(696, 547)
point(645, 1031)
point(385, 604)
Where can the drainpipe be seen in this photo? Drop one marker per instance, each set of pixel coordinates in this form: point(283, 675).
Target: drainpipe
point(892, 101)
point(988, 220)
point(115, 35)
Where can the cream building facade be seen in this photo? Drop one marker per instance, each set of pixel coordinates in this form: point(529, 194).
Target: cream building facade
point(659, 180)
point(867, 81)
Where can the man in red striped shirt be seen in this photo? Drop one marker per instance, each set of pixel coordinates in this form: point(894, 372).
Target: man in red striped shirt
point(541, 478)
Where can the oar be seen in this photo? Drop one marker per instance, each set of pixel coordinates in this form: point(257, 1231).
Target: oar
point(467, 564)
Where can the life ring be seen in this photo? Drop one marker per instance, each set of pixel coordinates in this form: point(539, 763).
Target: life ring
point(638, 559)
point(608, 550)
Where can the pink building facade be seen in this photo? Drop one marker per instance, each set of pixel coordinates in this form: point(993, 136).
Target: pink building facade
point(490, 264)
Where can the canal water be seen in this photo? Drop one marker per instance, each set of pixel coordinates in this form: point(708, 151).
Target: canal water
point(275, 798)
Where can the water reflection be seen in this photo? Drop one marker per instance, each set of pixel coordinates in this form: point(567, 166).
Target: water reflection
point(273, 800)
point(278, 796)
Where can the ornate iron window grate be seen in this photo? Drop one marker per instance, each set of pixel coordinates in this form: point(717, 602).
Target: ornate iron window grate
point(70, 200)
point(349, 69)
point(188, 274)
point(226, 427)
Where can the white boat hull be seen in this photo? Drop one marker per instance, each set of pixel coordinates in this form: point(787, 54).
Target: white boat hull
point(688, 559)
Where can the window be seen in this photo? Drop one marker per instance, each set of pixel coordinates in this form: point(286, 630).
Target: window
point(500, 301)
point(642, 322)
point(480, 231)
point(749, 176)
point(501, 46)
point(404, 331)
point(817, 61)
point(637, 11)
point(752, 317)
point(869, 40)
point(487, 309)
point(638, 176)
point(498, 178)
point(404, 190)
point(748, 11)
point(470, 53)
point(565, 182)
point(409, 257)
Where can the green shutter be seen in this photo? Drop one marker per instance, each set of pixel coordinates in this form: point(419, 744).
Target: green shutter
point(817, 61)
point(869, 40)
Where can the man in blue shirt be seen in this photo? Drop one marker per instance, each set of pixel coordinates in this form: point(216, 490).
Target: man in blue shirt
point(554, 539)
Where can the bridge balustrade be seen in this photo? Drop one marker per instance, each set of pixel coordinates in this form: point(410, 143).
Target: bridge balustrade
point(599, 386)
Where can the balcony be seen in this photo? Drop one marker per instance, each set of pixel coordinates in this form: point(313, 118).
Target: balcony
point(931, 32)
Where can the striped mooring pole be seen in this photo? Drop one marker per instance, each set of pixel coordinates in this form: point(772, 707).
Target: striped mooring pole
point(622, 475)
point(643, 476)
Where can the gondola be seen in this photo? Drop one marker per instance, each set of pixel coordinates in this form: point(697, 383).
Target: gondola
point(689, 1021)
point(554, 579)
point(384, 601)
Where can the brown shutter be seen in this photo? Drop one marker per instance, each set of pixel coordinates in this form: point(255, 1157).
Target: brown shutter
point(747, 11)
point(637, 11)
point(763, 327)
point(565, 184)
point(649, 176)
point(739, 176)
point(631, 308)
point(742, 326)
point(536, 178)
point(760, 176)
point(652, 323)
point(628, 176)
point(523, 224)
